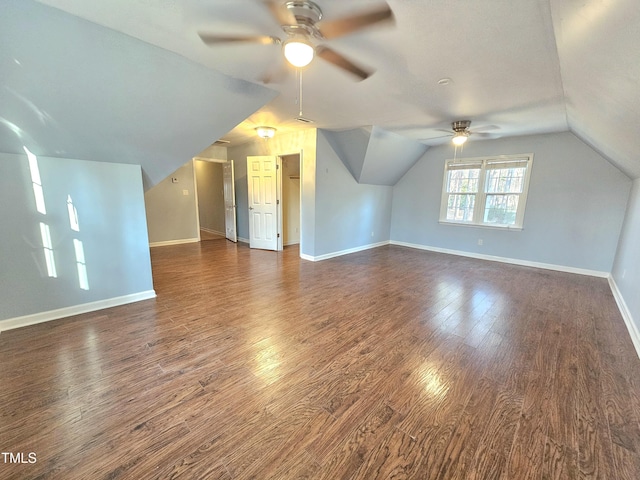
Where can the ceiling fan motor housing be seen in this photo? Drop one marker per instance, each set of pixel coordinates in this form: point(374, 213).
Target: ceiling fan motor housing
point(299, 20)
point(461, 126)
point(307, 14)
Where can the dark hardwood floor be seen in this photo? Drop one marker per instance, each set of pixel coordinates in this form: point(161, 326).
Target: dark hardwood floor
point(390, 363)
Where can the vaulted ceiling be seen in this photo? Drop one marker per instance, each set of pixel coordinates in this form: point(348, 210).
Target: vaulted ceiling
point(73, 89)
point(515, 68)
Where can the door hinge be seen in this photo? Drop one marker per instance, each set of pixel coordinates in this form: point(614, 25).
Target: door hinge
point(278, 236)
point(277, 202)
point(277, 166)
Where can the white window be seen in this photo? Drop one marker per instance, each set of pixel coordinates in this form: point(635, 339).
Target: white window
point(489, 191)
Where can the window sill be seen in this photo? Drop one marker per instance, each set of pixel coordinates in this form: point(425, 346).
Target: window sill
point(479, 225)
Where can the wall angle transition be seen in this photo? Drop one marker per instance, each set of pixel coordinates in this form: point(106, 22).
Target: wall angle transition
point(375, 156)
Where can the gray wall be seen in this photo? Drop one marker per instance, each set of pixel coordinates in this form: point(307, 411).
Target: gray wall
point(348, 214)
point(574, 214)
point(351, 146)
point(210, 196)
point(109, 201)
point(172, 215)
point(626, 268)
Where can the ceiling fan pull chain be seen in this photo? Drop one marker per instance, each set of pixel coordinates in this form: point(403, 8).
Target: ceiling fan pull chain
point(297, 101)
point(300, 91)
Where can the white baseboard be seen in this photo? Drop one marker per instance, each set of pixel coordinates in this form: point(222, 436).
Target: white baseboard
point(174, 242)
point(214, 232)
point(243, 240)
point(513, 261)
point(626, 315)
point(326, 256)
point(40, 317)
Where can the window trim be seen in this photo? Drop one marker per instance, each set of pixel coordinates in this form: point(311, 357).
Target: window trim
point(480, 200)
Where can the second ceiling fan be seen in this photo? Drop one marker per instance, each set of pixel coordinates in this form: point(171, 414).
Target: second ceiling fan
point(460, 132)
point(301, 21)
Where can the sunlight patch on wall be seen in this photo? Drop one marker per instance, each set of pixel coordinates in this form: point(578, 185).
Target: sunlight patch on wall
point(36, 182)
point(73, 215)
point(83, 280)
point(78, 247)
point(45, 233)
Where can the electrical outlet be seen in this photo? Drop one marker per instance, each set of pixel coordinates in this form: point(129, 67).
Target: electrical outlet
point(372, 234)
point(480, 241)
point(174, 179)
point(185, 192)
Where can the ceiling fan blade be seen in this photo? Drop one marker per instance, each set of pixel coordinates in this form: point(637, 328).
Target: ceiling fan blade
point(485, 135)
point(435, 138)
point(485, 128)
point(340, 61)
point(211, 39)
point(280, 13)
point(344, 26)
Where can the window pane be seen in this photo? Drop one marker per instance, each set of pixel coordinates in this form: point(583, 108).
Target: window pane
point(505, 180)
point(460, 208)
point(501, 209)
point(463, 181)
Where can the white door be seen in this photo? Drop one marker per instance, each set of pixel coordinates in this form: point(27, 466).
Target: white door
point(263, 202)
point(229, 201)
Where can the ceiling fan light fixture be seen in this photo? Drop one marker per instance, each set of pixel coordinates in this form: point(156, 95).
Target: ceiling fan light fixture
point(298, 52)
point(266, 132)
point(460, 138)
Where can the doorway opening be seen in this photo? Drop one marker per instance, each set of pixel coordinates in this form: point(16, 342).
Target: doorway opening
point(210, 199)
point(290, 194)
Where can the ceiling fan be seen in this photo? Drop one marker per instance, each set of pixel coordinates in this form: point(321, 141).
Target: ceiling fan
point(460, 132)
point(301, 22)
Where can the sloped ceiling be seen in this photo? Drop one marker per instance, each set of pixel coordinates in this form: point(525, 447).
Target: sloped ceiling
point(351, 146)
point(375, 156)
point(73, 89)
point(521, 67)
point(598, 44)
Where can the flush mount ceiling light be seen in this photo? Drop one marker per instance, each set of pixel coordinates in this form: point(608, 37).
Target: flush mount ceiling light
point(298, 51)
point(266, 132)
point(459, 138)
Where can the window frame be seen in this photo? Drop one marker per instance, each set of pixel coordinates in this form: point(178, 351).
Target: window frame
point(484, 164)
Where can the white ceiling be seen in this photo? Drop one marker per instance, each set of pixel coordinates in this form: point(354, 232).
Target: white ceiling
point(525, 67)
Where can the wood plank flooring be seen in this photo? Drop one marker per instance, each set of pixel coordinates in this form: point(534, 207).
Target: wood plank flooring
point(390, 363)
point(208, 235)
